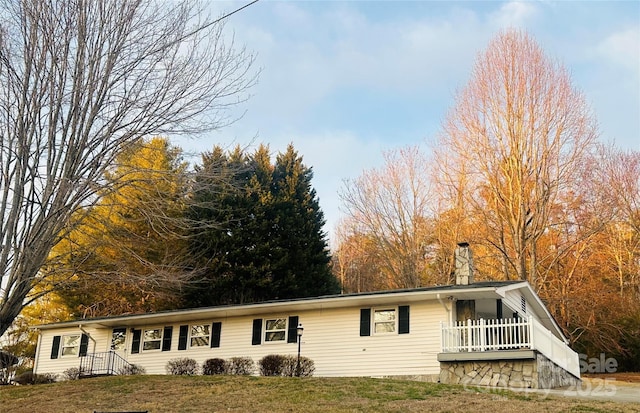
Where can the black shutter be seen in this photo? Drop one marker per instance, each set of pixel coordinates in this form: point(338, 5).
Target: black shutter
point(216, 328)
point(166, 338)
point(403, 319)
point(84, 345)
point(55, 349)
point(292, 332)
point(135, 343)
point(499, 308)
point(256, 337)
point(182, 338)
point(365, 322)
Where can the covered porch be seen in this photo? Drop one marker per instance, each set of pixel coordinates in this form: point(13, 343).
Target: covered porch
point(492, 350)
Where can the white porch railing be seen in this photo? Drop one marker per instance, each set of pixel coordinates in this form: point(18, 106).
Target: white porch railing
point(508, 334)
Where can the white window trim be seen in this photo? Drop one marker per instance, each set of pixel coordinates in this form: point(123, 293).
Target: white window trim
point(285, 329)
point(62, 346)
point(208, 336)
point(395, 321)
point(142, 339)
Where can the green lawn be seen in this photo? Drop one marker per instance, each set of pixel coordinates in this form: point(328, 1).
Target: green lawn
point(279, 394)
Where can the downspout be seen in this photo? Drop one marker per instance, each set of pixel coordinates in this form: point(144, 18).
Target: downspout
point(94, 349)
point(88, 335)
point(37, 355)
point(446, 308)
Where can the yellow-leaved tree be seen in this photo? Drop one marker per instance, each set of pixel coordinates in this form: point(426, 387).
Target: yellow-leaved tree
point(126, 254)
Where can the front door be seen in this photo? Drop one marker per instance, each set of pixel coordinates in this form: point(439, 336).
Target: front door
point(465, 310)
point(119, 341)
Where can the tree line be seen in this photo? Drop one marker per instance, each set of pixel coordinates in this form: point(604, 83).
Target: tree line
point(239, 228)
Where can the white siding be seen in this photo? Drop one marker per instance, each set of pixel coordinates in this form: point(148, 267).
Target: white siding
point(100, 340)
point(331, 339)
point(513, 300)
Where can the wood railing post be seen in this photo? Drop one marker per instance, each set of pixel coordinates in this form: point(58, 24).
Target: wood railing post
point(531, 333)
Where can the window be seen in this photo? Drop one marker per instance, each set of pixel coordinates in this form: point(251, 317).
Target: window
point(152, 339)
point(70, 345)
point(275, 329)
point(200, 335)
point(384, 321)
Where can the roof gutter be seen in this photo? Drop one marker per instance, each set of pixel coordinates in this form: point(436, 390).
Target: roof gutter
point(317, 303)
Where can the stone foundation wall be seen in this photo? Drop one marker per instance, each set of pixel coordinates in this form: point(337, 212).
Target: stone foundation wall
point(551, 375)
point(538, 373)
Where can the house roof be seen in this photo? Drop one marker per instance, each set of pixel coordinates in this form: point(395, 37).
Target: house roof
point(485, 289)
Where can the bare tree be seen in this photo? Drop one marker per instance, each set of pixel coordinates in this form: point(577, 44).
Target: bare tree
point(358, 260)
point(391, 207)
point(620, 183)
point(81, 80)
point(512, 146)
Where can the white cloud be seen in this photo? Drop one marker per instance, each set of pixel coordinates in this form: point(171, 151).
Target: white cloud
point(308, 57)
point(514, 14)
point(613, 84)
point(622, 48)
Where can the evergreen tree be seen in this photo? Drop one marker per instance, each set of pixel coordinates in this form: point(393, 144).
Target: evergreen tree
point(270, 243)
point(302, 266)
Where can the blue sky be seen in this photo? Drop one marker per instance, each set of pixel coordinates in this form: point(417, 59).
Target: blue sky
point(345, 81)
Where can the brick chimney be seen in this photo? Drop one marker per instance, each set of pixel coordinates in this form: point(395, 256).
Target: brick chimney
point(464, 264)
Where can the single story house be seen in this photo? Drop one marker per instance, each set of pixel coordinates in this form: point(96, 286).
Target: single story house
point(496, 333)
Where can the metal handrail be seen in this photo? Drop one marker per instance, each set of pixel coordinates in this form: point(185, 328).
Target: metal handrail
point(104, 363)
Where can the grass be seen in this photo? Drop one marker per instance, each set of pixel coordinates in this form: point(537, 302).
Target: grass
point(279, 394)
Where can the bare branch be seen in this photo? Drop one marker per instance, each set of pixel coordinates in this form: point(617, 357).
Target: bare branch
point(83, 80)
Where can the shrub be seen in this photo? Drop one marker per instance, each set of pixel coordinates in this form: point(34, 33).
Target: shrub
point(243, 366)
point(45, 378)
point(24, 378)
point(214, 366)
point(29, 378)
point(72, 373)
point(182, 367)
point(290, 366)
point(131, 370)
point(278, 365)
point(271, 365)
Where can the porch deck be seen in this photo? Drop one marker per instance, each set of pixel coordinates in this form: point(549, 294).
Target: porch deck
point(494, 338)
